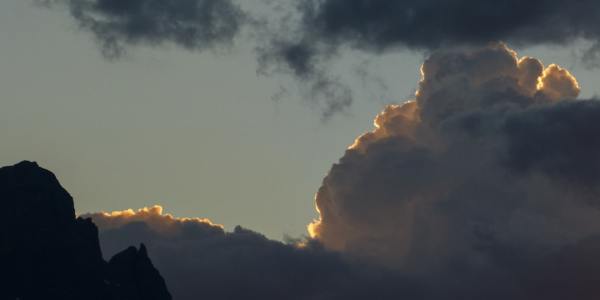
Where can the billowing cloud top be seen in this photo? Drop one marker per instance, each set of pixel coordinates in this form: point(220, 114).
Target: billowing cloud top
point(494, 153)
point(153, 217)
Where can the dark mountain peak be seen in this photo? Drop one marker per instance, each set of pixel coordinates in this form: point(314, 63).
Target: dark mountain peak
point(143, 250)
point(47, 253)
point(133, 266)
point(29, 173)
point(26, 164)
point(38, 205)
point(130, 256)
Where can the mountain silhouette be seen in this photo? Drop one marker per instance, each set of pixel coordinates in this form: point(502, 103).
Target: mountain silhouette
point(46, 252)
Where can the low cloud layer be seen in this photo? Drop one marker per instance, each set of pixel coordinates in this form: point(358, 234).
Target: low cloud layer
point(199, 260)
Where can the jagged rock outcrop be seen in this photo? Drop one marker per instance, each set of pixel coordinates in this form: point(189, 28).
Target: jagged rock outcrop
point(48, 253)
point(133, 266)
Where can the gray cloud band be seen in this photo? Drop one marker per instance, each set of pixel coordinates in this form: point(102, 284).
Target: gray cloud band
point(385, 25)
point(303, 44)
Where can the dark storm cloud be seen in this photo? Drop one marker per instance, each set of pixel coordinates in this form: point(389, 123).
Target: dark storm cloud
point(310, 33)
point(192, 24)
point(385, 25)
point(560, 141)
point(321, 26)
point(382, 24)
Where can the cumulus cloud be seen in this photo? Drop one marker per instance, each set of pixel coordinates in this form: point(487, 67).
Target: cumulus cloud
point(191, 24)
point(493, 163)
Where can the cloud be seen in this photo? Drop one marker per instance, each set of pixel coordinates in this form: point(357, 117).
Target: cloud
point(324, 29)
point(191, 24)
point(493, 162)
point(200, 263)
point(482, 187)
point(431, 24)
point(379, 26)
point(152, 216)
point(321, 26)
point(321, 30)
point(308, 68)
point(200, 260)
point(302, 39)
point(199, 25)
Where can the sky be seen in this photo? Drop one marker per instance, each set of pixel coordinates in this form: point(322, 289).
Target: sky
point(368, 149)
point(200, 133)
